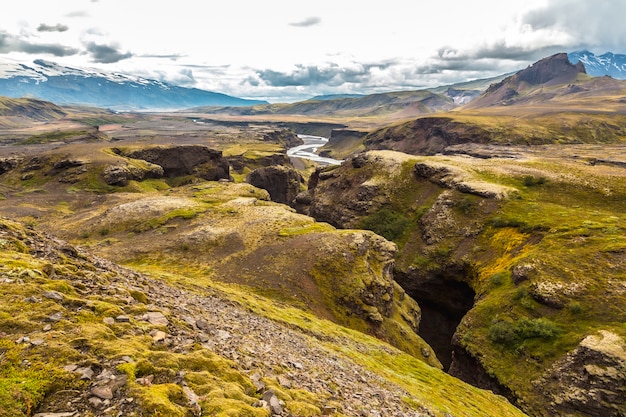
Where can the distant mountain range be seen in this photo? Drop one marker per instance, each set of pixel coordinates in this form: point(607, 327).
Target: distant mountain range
point(609, 63)
point(65, 85)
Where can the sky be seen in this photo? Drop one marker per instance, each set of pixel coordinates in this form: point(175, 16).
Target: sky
point(289, 50)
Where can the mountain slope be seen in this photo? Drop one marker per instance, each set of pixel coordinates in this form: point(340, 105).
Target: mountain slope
point(64, 85)
point(551, 71)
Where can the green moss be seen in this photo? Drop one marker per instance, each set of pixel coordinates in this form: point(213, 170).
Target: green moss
point(139, 296)
point(226, 407)
point(54, 136)
point(162, 400)
point(22, 388)
point(306, 229)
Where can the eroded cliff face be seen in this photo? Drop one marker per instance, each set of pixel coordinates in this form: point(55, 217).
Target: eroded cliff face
point(281, 182)
point(183, 160)
point(480, 249)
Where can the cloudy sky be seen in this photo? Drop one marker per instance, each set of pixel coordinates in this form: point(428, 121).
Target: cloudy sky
point(286, 50)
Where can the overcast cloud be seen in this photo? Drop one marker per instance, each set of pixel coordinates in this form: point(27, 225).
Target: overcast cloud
point(106, 54)
point(283, 50)
point(56, 28)
point(310, 21)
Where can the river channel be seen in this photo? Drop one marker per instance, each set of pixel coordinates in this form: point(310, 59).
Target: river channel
point(309, 150)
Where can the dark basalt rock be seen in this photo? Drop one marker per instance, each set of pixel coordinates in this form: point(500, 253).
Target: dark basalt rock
point(181, 160)
point(282, 183)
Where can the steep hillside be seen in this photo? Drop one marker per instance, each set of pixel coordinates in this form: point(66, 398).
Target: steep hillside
point(81, 336)
point(516, 259)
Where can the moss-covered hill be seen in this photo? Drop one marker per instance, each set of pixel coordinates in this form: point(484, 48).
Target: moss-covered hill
point(526, 252)
point(82, 336)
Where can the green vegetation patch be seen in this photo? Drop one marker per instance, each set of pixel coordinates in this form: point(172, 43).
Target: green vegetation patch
point(387, 223)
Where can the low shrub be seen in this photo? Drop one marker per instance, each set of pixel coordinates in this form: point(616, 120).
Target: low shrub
point(511, 333)
point(389, 224)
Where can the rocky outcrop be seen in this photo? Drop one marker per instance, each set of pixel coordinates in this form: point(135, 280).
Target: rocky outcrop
point(239, 162)
point(282, 183)
point(343, 195)
point(591, 379)
point(9, 163)
point(447, 176)
point(121, 174)
point(181, 160)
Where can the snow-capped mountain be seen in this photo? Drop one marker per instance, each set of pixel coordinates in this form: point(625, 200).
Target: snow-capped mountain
point(599, 65)
point(59, 84)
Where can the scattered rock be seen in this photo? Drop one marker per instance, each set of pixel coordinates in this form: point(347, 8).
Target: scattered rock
point(95, 402)
point(70, 368)
point(122, 319)
point(223, 334)
point(193, 400)
point(146, 380)
point(328, 409)
point(158, 335)
point(284, 381)
point(37, 342)
point(272, 400)
point(203, 324)
point(58, 316)
point(156, 317)
point(103, 392)
point(53, 295)
point(108, 321)
point(85, 372)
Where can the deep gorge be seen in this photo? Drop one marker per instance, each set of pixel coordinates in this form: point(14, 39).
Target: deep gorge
point(444, 299)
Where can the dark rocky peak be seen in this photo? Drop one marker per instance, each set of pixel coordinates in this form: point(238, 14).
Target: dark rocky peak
point(556, 69)
point(550, 71)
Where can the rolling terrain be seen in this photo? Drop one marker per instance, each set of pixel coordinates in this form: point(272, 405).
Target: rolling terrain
point(465, 260)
